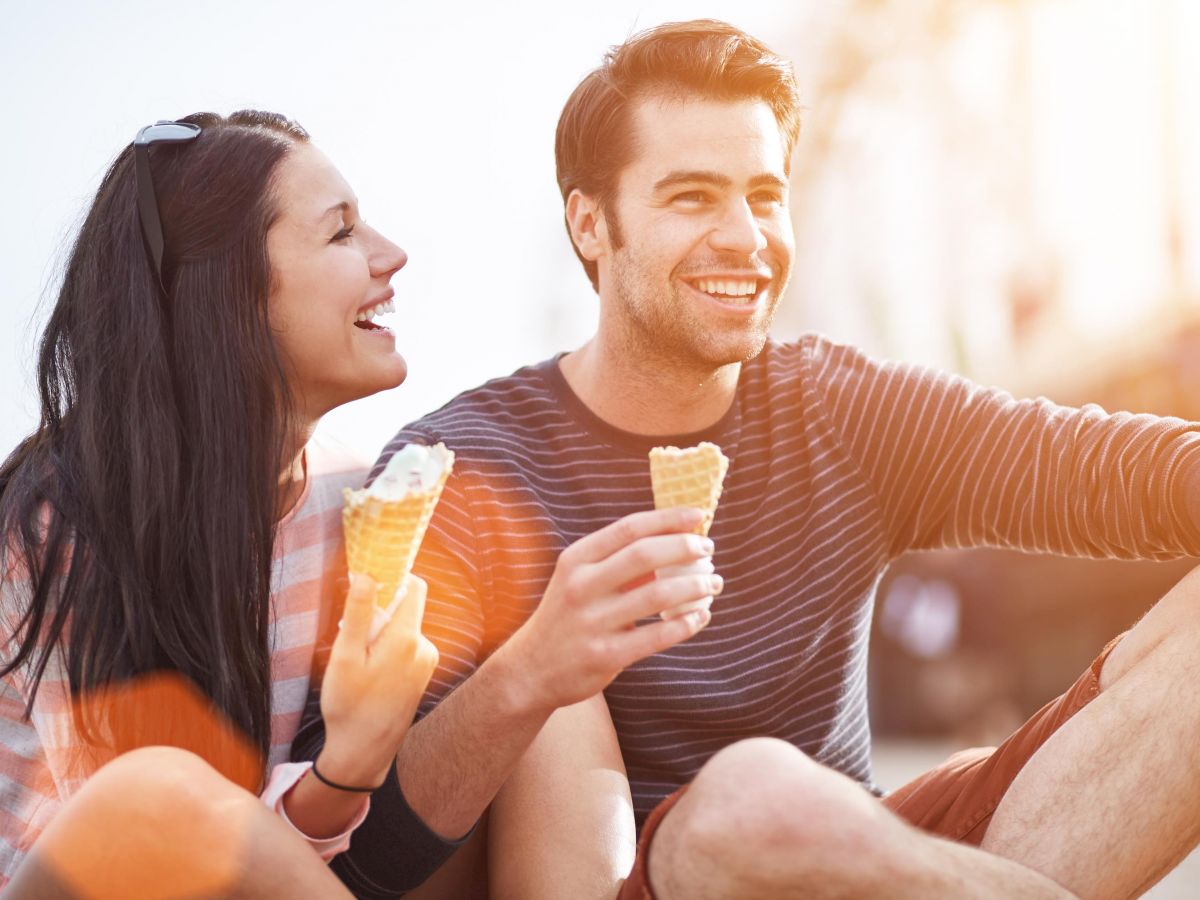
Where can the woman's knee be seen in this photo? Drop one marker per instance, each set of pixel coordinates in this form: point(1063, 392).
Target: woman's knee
point(168, 810)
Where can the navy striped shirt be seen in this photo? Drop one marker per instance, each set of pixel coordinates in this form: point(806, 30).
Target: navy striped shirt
point(838, 464)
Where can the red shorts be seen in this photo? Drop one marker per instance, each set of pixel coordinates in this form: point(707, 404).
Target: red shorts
point(955, 800)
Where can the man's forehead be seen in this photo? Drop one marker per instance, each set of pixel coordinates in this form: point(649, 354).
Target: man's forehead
point(681, 132)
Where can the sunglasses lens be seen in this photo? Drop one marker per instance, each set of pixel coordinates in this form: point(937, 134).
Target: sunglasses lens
point(168, 132)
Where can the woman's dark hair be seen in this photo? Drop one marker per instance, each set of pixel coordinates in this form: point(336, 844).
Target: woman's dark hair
point(143, 509)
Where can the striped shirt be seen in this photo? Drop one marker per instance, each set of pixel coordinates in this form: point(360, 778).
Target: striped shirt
point(39, 757)
point(838, 464)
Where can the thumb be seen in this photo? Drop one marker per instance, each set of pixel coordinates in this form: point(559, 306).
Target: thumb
point(357, 612)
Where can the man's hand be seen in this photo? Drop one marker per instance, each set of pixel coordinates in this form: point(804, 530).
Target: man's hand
point(583, 632)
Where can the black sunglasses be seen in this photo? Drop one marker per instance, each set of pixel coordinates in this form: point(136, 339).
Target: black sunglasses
point(159, 133)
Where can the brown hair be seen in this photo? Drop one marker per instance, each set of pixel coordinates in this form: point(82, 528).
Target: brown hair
point(702, 57)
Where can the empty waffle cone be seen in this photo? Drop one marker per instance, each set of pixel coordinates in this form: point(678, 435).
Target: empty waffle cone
point(690, 478)
point(383, 535)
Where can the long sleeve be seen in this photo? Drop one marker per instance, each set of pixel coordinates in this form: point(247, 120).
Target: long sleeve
point(954, 464)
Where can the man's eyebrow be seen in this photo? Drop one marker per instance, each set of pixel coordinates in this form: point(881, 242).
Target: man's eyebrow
point(769, 180)
point(716, 179)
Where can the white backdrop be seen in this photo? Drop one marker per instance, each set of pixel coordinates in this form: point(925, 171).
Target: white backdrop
point(441, 116)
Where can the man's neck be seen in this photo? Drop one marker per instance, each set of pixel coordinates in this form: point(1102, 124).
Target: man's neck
point(648, 395)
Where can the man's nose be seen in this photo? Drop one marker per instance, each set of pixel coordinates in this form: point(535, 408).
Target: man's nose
point(738, 230)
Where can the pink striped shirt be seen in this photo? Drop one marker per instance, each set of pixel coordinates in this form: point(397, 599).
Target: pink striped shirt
point(36, 777)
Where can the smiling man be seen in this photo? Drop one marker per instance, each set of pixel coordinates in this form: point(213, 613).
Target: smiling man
point(747, 747)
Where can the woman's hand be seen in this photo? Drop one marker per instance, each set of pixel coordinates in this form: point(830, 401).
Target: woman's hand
point(371, 689)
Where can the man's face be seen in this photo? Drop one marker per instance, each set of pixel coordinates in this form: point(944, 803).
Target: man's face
point(706, 241)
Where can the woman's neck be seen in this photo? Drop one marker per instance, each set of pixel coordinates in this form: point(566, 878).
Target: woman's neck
point(293, 475)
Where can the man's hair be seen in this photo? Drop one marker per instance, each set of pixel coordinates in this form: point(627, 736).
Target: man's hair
point(704, 58)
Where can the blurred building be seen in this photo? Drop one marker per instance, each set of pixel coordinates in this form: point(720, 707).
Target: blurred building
point(1009, 189)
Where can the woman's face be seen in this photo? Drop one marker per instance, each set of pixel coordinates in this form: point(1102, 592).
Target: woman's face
point(329, 273)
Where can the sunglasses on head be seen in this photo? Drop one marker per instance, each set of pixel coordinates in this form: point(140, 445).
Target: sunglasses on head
point(162, 132)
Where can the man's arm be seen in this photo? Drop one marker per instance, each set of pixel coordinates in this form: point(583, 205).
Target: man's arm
point(579, 638)
point(955, 464)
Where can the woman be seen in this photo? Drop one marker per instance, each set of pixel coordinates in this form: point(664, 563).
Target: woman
point(172, 535)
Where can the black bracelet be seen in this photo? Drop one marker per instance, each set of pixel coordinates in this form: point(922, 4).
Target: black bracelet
point(342, 787)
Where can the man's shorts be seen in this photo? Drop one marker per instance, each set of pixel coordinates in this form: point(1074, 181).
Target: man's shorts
point(955, 800)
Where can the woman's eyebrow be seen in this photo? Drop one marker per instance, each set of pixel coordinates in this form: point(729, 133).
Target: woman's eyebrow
point(336, 208)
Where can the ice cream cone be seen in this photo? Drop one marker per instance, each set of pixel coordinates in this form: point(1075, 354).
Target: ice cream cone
point(384, 524)
point(692, 477)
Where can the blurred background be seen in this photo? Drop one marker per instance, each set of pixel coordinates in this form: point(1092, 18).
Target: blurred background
point(1009, 189)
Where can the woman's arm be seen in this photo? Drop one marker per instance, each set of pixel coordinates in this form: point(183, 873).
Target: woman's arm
point(368, 698)
point(562, 825)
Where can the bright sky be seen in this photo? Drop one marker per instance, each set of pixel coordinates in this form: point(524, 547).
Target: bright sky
point(441, 116)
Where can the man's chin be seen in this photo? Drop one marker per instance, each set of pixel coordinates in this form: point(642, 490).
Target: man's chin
point(728, 352)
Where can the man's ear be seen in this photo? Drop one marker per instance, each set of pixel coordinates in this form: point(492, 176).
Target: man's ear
point(587, 226)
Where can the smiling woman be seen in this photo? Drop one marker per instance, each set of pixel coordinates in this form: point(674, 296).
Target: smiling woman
point(330, 279)
point(170, 538)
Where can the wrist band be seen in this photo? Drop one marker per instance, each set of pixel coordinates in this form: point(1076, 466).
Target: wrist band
point(342, 787)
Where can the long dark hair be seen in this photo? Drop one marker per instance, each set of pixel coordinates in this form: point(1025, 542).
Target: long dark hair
point(143, 508)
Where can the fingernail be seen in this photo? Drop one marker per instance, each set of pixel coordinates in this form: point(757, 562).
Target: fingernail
point(708, 546)
point(716, 583)
point(698, 618)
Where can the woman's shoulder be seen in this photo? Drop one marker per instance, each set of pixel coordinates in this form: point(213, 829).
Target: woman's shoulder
point(334, 465)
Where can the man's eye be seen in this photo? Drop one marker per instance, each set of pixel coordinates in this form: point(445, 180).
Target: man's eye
point(766, 198)
point(690, 197)
point(343, 234)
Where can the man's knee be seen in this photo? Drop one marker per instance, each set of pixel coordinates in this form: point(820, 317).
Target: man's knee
point(761, 808)
point(1172, 627)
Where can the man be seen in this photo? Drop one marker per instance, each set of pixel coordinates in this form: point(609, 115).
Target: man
point(673, 161)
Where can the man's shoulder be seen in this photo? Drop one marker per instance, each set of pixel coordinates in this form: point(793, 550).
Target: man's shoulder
point(806, 355)
point(517, 402)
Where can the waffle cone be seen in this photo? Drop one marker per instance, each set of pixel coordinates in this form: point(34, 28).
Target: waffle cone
point(383, 536)
point(692, 477)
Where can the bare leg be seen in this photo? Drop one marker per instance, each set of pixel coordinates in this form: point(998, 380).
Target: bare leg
point(464, 876)
point(562, 825)
point(763, 820)
point(1111, 802)
point(161, 822)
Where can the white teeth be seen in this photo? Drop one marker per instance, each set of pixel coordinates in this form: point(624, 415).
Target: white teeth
point(744, 289)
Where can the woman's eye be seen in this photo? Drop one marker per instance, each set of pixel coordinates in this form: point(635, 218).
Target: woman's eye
point(343, 234)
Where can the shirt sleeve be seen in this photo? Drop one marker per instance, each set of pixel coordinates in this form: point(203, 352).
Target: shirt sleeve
point(31, 791)
point(283, 778)
point(955, 464)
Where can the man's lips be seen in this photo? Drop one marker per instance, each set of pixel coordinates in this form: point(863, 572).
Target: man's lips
point(741, 294)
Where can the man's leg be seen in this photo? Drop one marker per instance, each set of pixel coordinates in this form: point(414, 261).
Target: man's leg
point(761, 819)
point(1111, 802)
point(160, 822)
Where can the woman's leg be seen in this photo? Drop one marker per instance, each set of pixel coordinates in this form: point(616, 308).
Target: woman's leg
point(160, 822)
